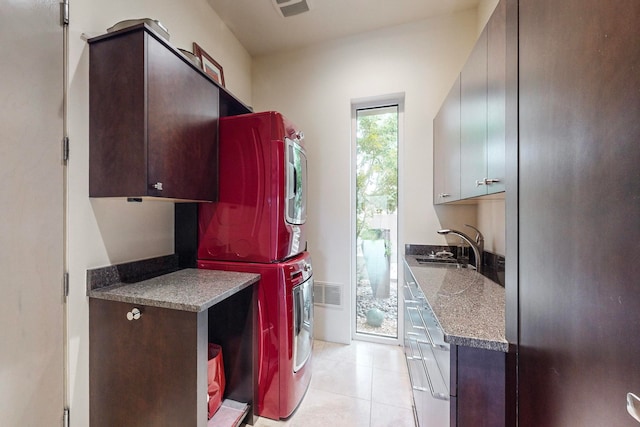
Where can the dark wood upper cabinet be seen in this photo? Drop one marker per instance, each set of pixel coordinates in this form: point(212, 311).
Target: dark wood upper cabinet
point(473, 120)
point(446, 148)
point(496, 98)
point(153, 120)
point(479, 160)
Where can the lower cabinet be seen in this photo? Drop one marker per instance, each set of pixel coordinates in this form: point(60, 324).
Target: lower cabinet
point(480, 388)
point(148, 365)
point(453, 385)
point(427, 357)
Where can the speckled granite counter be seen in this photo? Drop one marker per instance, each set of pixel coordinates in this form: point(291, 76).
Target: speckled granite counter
point(468, 306)
point(189, 289)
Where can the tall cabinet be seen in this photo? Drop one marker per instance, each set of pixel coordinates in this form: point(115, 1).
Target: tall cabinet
point(579, 204)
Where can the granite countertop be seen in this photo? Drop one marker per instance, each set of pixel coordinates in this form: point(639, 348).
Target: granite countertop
point(190, 289)
point(468, 306)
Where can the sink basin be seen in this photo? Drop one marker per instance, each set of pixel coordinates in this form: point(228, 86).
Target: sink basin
point(429, 260)
point(450, 262)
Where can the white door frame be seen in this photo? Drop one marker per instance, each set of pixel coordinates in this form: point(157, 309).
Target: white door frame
point(357, 104)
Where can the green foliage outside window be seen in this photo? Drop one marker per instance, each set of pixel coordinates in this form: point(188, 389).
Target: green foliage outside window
point(377, 168)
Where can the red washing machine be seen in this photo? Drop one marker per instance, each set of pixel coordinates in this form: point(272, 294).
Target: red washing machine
point(285, 324)
point(257, 226)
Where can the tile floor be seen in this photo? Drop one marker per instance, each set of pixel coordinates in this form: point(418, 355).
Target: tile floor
point(357, 385)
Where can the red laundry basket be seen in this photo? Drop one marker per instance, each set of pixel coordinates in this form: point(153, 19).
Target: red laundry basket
point(215, 371)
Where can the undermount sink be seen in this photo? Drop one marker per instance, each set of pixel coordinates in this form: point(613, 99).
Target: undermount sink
point(451, 262)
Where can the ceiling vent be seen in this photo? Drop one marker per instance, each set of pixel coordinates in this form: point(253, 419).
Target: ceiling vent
point(287, 8)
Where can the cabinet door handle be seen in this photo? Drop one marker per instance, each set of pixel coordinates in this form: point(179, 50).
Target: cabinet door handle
point(157, 186)
point(443, 195)
point(134, 314)
point(486, 181)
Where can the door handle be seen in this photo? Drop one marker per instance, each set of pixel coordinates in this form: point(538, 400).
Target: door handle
point(633, 406)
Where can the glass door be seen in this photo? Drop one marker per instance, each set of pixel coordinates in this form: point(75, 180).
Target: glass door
point(376, 223)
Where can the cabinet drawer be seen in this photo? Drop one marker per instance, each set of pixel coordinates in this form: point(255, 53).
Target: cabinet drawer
point(412, 294)
point(424, 326)
point(433, 327)
point(425, 371)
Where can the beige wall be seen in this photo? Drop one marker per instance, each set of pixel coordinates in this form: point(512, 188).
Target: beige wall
point(485, 9)
point(491, 221)
point(103, 232)
point(315, 86)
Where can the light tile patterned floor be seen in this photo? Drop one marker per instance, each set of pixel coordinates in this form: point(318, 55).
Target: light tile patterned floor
point(357, 385)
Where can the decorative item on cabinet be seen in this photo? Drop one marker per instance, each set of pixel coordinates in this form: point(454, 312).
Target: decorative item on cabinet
point(193, 58)
point(154, 24)
point(209, 65)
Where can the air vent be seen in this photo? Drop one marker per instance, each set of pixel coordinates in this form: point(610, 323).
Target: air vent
point(327, 294)
point(287, 8)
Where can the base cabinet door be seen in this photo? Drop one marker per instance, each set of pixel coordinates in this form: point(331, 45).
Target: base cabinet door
point(480, 388)
point(147, 371)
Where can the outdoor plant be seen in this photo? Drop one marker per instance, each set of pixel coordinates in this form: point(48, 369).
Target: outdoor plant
point(377, 167)
point(376, 193)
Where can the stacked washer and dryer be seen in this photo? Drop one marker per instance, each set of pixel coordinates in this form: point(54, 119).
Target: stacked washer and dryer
point(257, 226)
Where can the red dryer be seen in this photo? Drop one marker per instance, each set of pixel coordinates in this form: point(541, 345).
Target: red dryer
point(261, 210)
point(258, 226)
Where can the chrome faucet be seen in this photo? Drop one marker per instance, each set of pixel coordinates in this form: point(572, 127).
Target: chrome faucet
point(476, 244)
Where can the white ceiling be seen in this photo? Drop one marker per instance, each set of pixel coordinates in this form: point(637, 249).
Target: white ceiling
point(262, 30)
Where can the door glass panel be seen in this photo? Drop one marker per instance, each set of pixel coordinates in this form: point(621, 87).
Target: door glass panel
point(296, 183)
point(376, 221)
point(302, 323)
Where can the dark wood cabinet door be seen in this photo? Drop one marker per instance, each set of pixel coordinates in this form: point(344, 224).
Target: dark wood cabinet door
point(182, 130)
point(480, 377)
point(146, 372)
point(117, 117)
point(579, 195)
point(446, 148)
point(496, 97)
point(473, 116)
point(153, 121)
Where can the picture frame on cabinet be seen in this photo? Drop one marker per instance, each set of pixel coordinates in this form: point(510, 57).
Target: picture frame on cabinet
point(209, 65)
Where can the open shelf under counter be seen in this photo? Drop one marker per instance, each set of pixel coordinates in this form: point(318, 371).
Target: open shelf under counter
point(148, 344)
